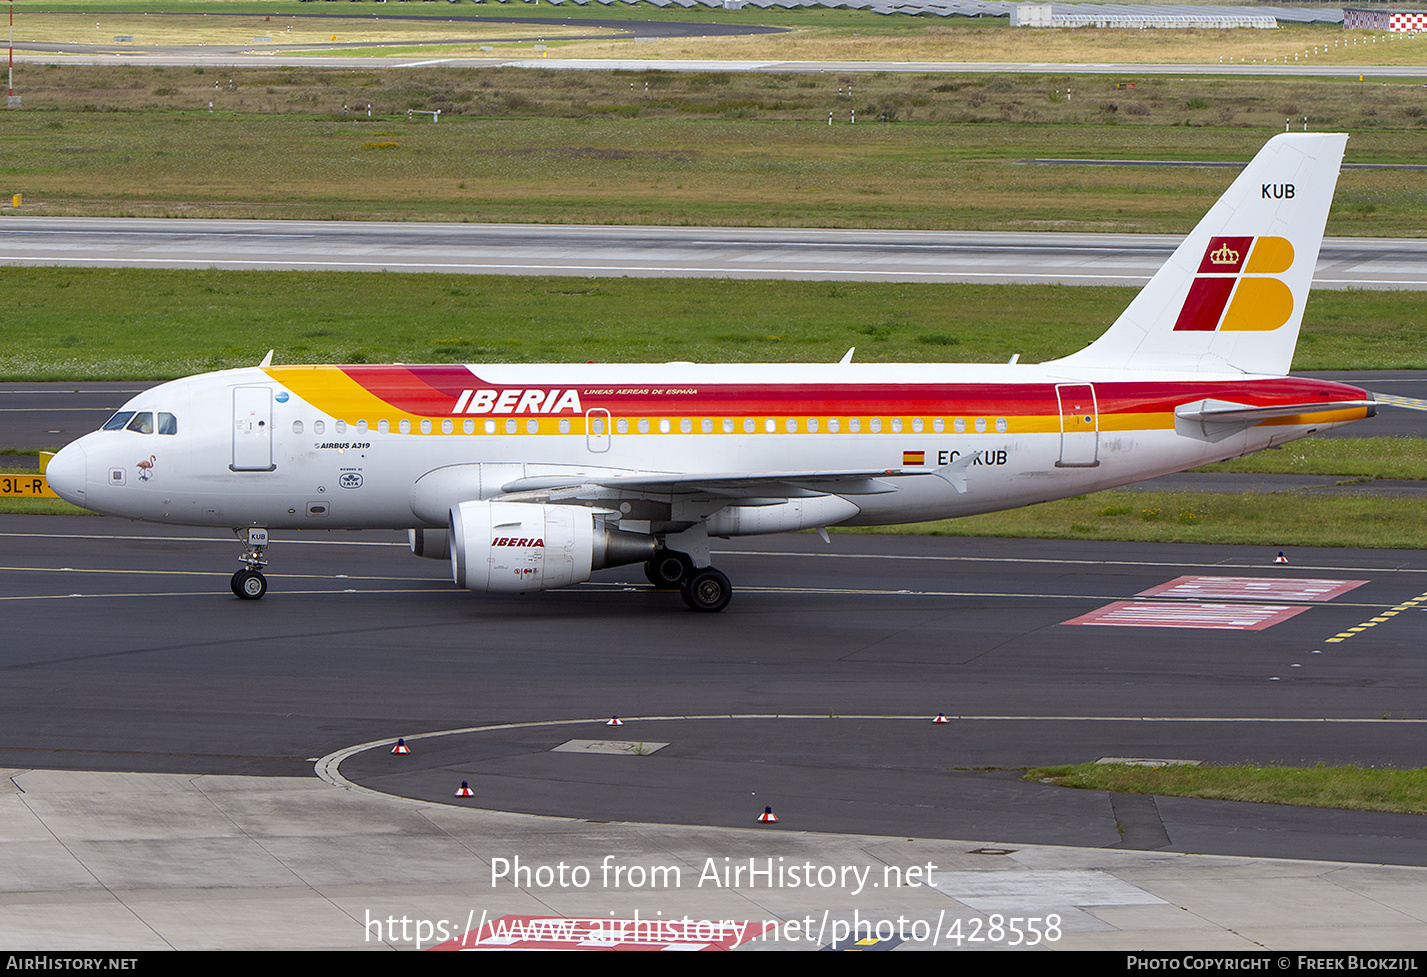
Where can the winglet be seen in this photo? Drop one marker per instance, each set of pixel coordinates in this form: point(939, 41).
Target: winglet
point(847, 357)
point(267, 360)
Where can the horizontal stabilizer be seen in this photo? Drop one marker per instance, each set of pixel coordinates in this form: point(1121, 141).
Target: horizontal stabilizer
point(1227, 412)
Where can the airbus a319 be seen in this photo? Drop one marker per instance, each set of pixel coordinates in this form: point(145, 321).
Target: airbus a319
point(532, 477)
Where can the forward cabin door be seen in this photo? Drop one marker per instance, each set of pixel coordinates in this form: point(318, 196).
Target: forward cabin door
point(252, 429)
point(1079, 426)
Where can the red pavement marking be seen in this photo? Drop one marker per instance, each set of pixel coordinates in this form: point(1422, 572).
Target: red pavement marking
point(1186, 614)
point(1252, 588)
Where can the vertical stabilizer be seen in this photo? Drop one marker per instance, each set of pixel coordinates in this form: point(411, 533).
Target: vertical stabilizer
point(1231, 297)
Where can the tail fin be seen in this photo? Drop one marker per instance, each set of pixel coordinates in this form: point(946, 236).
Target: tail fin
point(1231, 297)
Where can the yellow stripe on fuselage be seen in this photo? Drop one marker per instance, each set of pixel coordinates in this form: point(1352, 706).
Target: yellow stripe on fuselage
point(338, 395)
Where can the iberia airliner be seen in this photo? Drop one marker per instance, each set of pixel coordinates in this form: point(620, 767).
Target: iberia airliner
point(531, 477)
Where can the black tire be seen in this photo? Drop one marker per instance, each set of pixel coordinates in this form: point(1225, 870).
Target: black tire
point(706, 590)
point(249, 584)
point(233, 584)
point(668, 569)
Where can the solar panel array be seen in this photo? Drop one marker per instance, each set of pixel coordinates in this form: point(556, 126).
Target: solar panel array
point(1110, 14)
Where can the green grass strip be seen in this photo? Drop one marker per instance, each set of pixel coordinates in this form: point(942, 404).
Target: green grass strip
point(1350, 788)
point(147, 324)
point(1371, 458)
point(1275, 520)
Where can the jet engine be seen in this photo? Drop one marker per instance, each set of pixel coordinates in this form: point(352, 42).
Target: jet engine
point(508, 547)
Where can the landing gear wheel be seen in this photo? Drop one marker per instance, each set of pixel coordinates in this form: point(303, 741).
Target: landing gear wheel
point(706, 590)
point(249, 584)
point(668, 569)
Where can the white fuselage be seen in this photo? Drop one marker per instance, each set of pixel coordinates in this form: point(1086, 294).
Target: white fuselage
point(290, 447)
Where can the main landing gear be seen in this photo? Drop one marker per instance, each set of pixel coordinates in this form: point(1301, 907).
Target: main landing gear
point(249, 582)
point(702, 588)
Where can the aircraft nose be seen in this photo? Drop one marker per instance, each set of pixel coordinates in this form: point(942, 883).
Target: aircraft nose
point(66, 473)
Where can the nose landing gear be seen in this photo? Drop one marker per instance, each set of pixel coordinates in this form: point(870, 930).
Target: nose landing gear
point(249, 582)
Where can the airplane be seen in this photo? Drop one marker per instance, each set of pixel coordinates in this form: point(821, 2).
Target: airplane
point(529, 478)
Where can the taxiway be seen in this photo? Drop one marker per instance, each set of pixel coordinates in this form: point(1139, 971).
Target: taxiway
point(814, 693)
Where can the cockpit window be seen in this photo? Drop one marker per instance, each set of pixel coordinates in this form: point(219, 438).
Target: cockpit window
point(117, 422)
point(143, 422)
point(168, 424)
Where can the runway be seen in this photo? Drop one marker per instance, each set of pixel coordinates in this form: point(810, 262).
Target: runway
point(779, 253)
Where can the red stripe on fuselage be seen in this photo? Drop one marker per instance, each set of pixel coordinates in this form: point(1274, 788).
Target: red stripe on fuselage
point(420, 390)
point(434, 390)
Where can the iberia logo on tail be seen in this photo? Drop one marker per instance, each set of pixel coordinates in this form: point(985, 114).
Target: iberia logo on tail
point(1236, 288)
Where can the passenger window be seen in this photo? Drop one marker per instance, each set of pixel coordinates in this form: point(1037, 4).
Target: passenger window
point(168, 424)
point(143, 422)
point(296, 427)
point(117, 422)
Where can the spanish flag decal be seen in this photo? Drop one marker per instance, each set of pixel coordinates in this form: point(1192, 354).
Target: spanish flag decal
point(914, 458)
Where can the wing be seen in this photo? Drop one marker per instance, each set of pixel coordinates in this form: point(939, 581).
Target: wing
point(674, 499)
point(723, 487)
point(726, 488)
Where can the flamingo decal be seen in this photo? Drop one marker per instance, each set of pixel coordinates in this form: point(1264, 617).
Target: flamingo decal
point(146, 468)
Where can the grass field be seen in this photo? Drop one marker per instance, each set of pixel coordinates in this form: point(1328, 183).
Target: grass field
point(1350, 788)
point(65, 323)
point(928, 151)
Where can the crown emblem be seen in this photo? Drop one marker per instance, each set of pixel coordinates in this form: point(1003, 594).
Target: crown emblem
point(1224, 256)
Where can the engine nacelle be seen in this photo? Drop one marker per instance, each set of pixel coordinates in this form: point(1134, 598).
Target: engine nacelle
point(509, 547)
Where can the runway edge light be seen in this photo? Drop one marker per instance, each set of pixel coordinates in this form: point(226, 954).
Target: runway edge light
point(465, 790)
point(1280, 558)
point(614, 721)
point(941, 719)
point(767, 817)
point(401, 749)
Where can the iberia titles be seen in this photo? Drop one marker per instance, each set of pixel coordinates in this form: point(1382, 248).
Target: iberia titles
point(518, 400)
